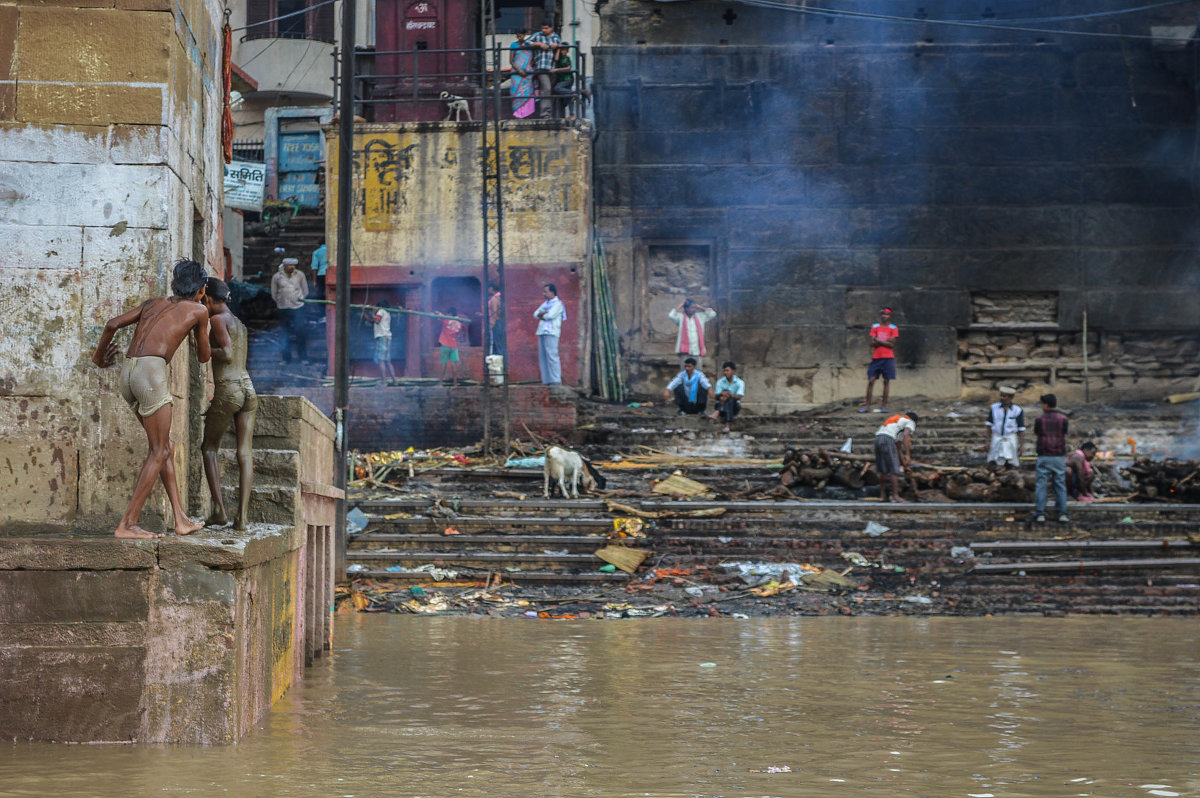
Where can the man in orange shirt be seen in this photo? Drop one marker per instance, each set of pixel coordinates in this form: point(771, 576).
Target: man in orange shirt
point(883, 338)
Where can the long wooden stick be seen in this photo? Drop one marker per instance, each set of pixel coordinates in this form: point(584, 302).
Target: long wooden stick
point(394, 310)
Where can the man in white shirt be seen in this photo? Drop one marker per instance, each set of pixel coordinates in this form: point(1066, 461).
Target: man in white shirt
point(893, 453)
point(1006, 425)
point(289, 288)
point(381, 321)
point(690, 389)
point(691, 317)
point(730, 391)
point(550, 315)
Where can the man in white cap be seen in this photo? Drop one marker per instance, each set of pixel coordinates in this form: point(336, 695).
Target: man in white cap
point(289, 288)
point(1006, 428)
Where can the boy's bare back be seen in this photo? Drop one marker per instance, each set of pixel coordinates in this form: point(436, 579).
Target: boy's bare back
point(162, 324)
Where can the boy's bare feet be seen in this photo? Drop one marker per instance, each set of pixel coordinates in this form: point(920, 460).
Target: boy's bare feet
point(134, 532)
point(216, 519)
point(187, 526)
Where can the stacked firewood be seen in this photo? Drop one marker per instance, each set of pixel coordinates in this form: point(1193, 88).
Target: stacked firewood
point(931, 483)
point(1164, 480)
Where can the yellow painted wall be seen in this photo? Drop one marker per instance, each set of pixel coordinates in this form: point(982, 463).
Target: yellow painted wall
point(417, 194)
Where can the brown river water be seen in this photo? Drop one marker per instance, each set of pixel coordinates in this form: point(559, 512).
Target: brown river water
point(661, 707)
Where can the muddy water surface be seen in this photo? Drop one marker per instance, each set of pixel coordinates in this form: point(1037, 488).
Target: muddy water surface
point(673, 707)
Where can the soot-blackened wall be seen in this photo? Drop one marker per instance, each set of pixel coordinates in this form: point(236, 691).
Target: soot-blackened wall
point(799, 174)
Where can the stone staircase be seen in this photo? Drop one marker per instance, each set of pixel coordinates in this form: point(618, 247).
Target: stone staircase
point(977, 558)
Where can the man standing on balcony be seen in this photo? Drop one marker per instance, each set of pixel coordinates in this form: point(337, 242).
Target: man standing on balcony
point(544, 43)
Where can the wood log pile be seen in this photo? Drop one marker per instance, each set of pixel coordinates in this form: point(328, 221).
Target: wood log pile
point(1164, 480)
point(925, 482)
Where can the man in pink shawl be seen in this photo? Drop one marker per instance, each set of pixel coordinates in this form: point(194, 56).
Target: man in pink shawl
point(691, 317)
point(1080, 473)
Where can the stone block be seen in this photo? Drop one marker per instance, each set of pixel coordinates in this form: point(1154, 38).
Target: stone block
point(823, 267)
point(948, 308)
point(94, 46)
point(855, 186)
point(73, 596)
point(78, 695)
point(1127, 145)
point(8, 41)
point(1118, 226)
point(1006, 185)
point(1048, 226)
point(38, 143)
point(1136, 185)
point(902, 268)
point(49, 194)
point(41, 482)
point(875, 146)
point(974, 147)
point(41, 247)
point(89, 104)
point(1148, 309)
point(799, 228)
point(786, 307)
point(1105, 268)
point(139, 144)
point(82, 553)
point(1020, 269)
point(41, 349)
point(8, 102)
point(764, 349)
point(780, 389)
point(898, 227)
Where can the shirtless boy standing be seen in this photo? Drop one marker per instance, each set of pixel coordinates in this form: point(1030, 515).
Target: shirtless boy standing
point(234, 402)
point(162, 324)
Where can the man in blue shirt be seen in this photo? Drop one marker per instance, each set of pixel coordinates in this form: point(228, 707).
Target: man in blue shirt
point(544, 44)
point(318, 267)
point(690, 389)
point(730, 391)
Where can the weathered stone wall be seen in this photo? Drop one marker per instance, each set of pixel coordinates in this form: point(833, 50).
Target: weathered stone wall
point(109, 171)
point(802, 172)
point(417, 192)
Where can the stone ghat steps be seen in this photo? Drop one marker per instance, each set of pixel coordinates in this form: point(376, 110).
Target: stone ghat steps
point(1094, 595)
point(524, 544)
point(272, 493)
point(526, 577)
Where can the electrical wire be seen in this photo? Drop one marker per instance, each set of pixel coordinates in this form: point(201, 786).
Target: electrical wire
point(286, 16)
point(1071, 17)
point(826, 12)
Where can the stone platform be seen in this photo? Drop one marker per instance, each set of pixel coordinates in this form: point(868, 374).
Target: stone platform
point(183, 639)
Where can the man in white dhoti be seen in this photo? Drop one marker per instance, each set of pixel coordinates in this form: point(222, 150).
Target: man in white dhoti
point(1006, 427)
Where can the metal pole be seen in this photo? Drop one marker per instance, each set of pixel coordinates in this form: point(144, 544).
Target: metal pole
point(483, 124)
point(341, 341)
point(1087, 386)
point(496, 61)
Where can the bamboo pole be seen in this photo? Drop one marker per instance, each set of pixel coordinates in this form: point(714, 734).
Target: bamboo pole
point(394, 310)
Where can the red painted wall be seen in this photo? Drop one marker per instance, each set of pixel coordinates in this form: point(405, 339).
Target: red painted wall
point(437, 25)
point(524, 295)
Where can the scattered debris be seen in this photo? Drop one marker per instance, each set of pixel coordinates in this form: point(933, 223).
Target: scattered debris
point(679, 485)
point(623, 557)
point(875, 530)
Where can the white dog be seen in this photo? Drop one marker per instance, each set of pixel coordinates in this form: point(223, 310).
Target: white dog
point(563, 465)
point(456, 106)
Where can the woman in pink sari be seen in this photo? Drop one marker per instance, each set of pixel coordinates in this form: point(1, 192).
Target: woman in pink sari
point(521, 83)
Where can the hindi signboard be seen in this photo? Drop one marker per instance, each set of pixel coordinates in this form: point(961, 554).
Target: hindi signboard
point(244, 184)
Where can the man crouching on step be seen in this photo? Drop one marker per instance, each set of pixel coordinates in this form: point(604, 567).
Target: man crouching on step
point(162, 324)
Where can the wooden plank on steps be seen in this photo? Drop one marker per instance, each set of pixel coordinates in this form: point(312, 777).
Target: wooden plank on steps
point(1085, 565)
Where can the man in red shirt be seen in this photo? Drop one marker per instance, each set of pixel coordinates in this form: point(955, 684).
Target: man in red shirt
point(883, 358)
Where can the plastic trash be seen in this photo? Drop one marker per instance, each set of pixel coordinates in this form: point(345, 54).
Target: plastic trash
point(918, 599)
point(740, 616)
point(962, 553)
point(356, 521)
point(356, 568)
point(847, 446)
point(556, 552)
point(875, 530)
point(530, 614)
point(395, 569)
point(608, 569)
point(708, 664)
point(525, 462)
point(694, 592)
point(757, 573)
point(417, 591)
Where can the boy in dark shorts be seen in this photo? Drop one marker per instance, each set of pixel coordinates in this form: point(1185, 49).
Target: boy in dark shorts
point(883, 338)
point(893, 453)
point(162, 325)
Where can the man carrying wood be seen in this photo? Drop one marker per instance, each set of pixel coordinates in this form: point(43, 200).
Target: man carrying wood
point(893, 453)
point(1006, 427)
